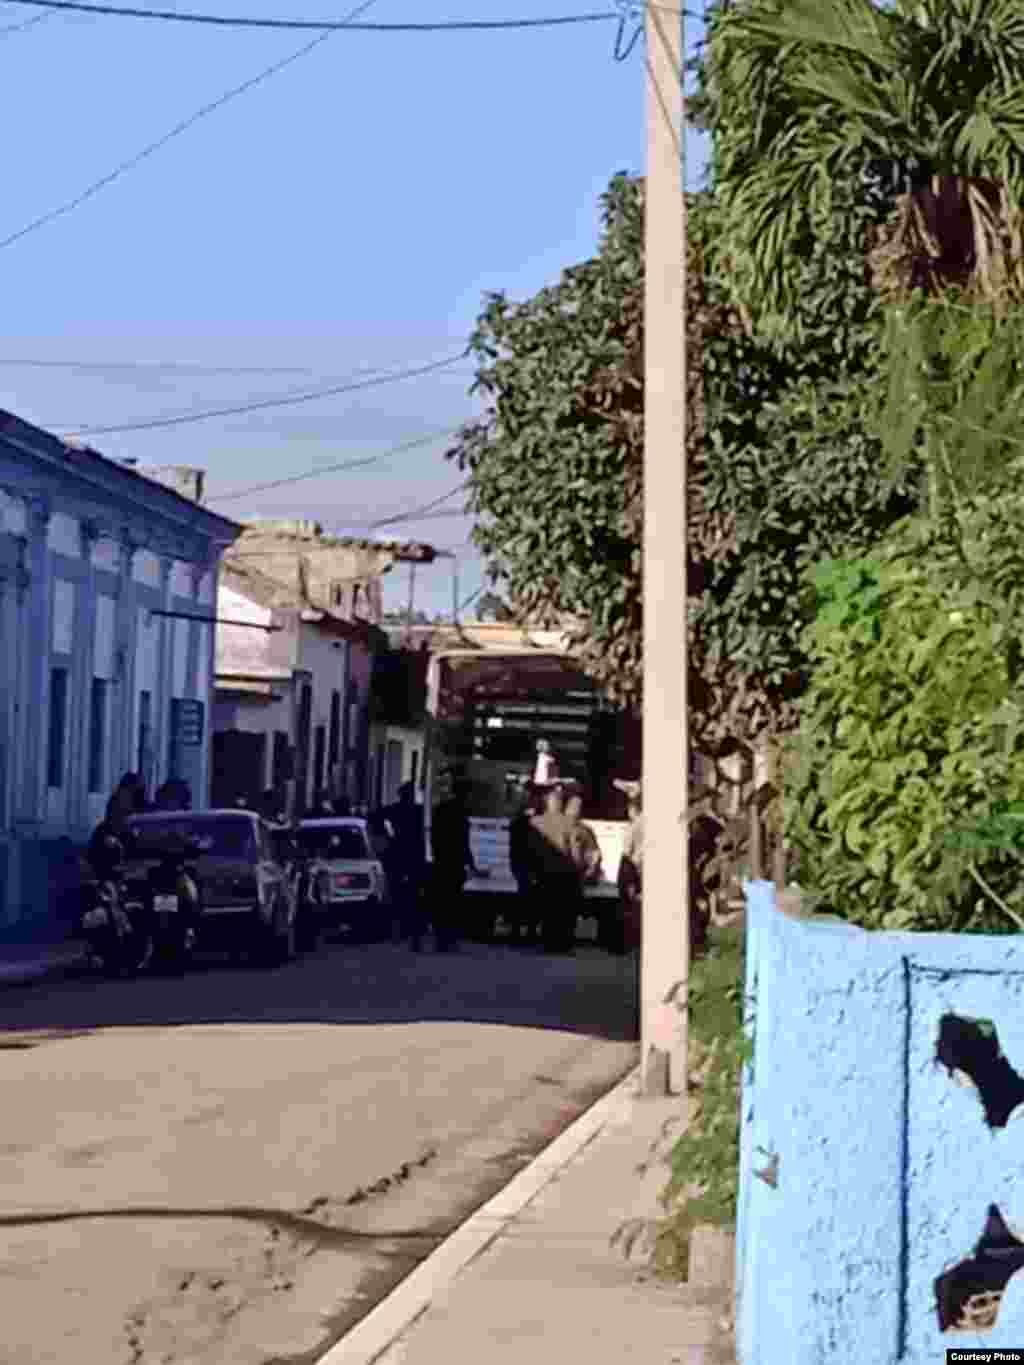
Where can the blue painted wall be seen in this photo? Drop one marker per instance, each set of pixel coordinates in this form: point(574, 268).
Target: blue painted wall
point(886, 1166)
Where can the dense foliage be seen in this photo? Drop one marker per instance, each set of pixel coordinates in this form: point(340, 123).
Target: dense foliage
point(926, 96)
point(780, 467)
point(908, 770)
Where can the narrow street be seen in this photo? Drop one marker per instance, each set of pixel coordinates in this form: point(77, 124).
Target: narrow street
point(232, 1167)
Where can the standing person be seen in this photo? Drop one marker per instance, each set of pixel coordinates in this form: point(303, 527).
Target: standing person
point(453, 858)
point(584, 849)
point(408, 860)
point(631, 864)
point(521, 863)
point(559, 883)
point(546, 768)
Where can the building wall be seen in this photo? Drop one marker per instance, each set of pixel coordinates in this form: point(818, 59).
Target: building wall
point(77, 600)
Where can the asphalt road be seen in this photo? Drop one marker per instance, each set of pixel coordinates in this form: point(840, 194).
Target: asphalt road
point(231, 1167)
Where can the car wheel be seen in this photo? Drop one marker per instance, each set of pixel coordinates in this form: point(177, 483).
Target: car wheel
point(308, 929)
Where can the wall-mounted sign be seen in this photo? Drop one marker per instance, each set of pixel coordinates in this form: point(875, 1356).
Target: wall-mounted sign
point(189, 723)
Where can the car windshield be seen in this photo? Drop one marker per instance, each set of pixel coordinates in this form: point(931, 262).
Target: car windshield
point(224, 838)
point(338, 841)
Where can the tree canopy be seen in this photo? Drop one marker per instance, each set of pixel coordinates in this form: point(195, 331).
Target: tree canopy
point(780, 467)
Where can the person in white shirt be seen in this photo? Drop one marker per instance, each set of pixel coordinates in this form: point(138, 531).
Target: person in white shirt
point(546, 770)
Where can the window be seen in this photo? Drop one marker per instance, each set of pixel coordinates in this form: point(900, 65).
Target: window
point(334, 744)
point(58, 727)
point(145, 735)
point(173, 741)
point(97, 735)
point(281, 761)
point(320, 760)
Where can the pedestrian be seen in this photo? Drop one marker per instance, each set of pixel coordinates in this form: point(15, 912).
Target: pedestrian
point(584, 849)
point(631, 864)
point(407, 858)
point(546, 768)
point(453, 858)
point(559, 884)
point(520, 859)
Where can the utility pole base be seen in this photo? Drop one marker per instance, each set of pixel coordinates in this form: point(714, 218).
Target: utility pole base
point(656, 1076)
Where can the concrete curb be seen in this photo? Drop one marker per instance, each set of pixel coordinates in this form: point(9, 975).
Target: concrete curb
point(385, 1323)
point(38, 969)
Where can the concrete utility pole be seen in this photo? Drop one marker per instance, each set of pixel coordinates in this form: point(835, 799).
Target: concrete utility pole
point(665, 964)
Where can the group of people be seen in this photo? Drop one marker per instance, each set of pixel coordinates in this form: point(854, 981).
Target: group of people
point(127, 799)
point(554, 856)
point(417, 902)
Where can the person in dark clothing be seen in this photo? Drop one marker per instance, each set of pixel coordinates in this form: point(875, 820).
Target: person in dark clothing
point(558, 878)
point(453, 858)
point(174, 795)
point(407, 863)
point(521, 863)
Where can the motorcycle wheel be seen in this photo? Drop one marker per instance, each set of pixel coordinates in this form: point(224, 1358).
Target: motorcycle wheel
point(281, 941)
point(128, 956)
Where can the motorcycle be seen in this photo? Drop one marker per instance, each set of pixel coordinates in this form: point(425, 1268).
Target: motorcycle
point(174, 900)
point(116, 922)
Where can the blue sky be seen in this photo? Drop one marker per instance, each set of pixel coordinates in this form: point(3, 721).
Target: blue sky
point(345, 215)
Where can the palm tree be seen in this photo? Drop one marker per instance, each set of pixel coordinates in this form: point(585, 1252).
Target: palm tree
point(924, 96)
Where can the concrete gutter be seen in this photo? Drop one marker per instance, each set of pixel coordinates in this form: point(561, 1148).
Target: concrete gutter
point(392, 1317)
point(26, 967)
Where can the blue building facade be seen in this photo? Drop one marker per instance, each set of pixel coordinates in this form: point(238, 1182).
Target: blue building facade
point(108, 590)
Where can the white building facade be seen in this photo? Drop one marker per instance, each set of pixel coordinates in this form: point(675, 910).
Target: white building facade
point(292, 699)
point(108, 589)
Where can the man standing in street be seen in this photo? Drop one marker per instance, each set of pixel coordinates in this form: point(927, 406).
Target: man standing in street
point(408, 857)
point(453, 858)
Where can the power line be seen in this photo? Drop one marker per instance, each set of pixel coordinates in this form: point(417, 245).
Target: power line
point(282, 400)
point(415, 513)
point(169, 367)
point(44, 219)
point(320, 25)
point(24, 24)
point(334, 468)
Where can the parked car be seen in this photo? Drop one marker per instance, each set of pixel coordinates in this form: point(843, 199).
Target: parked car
point(347, 864)
point(247, 895)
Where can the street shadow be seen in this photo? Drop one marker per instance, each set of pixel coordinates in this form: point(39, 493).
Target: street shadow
point(586, 992)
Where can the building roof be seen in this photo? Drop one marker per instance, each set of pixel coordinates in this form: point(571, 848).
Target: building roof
point(275, 594)
point(311, 534)
point(112, 485)
point(476, 635)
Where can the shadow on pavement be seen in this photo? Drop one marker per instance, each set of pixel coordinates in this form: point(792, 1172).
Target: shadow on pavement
point(587, 992)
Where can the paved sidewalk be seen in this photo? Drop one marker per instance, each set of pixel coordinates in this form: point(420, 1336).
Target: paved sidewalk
point(540, 1283)
point(23, 962)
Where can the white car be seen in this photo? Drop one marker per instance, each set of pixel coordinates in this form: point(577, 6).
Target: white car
point(348, 868)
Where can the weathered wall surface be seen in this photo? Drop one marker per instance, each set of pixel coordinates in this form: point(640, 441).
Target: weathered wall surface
point(884, 1164)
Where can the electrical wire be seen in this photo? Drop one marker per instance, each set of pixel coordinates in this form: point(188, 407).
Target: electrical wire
point(334, 468)
point(25, 23)
point(320, 25)
point(260, 404)
point(170, 367)
point(414, 513)
point(123, 167)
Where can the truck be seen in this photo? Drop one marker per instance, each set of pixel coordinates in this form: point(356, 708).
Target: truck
point(487, 706)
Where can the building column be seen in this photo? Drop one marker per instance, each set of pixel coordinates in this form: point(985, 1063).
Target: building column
point(195, 655)
point(81, 678)
point(125, 649)
point(36, 642)
point(164, 677)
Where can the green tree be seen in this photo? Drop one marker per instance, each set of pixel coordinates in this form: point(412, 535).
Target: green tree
point(781, 469)
point(923, 96)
